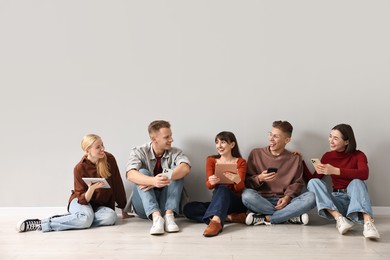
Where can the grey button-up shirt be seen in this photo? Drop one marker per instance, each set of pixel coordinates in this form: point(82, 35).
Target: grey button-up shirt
point(142, 157)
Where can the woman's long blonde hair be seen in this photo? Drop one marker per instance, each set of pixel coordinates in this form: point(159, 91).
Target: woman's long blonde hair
point(102, 166)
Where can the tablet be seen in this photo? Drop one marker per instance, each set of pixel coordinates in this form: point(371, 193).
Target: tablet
point(220, 168)
point(93, 180)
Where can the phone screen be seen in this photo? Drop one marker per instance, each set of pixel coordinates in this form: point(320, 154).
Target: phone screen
point(271, 169)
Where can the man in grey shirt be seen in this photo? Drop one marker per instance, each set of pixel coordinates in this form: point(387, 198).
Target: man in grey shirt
point(157, 170)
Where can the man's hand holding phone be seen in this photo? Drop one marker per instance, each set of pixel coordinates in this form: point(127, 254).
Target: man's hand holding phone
point(272, 170)
point(268, 175)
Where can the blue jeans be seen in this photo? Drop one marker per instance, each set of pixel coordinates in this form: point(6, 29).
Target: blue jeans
point(351, 204)
point(223, 202)
point(147, 202)
point(266, 206)
point(80, 217)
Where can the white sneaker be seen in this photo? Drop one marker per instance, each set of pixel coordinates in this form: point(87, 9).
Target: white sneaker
point(370, 230)
point(158, 226)
point(170, 225)
point(343, 224)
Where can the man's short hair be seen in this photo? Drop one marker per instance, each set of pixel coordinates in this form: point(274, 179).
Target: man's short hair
point(284, 126)
point(156, 125)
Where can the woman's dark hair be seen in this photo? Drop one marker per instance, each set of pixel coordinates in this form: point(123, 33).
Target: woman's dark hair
point(347, 135)
point(230, 138)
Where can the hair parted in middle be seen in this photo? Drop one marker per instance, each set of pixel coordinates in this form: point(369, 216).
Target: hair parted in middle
point(230, 138)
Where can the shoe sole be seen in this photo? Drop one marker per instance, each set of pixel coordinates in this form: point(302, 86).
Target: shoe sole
point(346, 230)
point(156, 233)
point(305, 219)
point(219, 232)
point(172, 231)
point(371, 237)
point(249, 219)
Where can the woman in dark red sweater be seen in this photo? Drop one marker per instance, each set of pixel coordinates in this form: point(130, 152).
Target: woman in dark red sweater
point(89, 204)
point(349, 201)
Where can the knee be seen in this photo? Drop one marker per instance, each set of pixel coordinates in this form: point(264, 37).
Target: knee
point(84, 219)
point(311, 197)
point(313, 183)
point(221, 189)
point(247, 195)
point(356, 182)
point(109, 218)
point(176, 185)
point(145, 172)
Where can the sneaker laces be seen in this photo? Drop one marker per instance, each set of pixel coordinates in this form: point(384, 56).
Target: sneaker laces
point(157, 220)
point(295, 220)
point(339, 221)
point(169, 219)
point(31, 225)
point(370, 226)
point(260, 220)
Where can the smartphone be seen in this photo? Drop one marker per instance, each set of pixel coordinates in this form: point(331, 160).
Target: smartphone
point(272, 169)
point(315, 161)
point(167, 172)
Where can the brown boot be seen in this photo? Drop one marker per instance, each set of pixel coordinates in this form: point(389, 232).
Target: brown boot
point(236, 218)
point(213, 229)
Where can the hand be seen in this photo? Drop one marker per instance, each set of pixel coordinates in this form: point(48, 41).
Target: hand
point(213, 179)
point(297, 153)
point(233, 177)
point(282, 202)
point(145, 187)
point(327, 169)
point(126, 215)
point(161, 181)
point(267, 177)
point(95, 185)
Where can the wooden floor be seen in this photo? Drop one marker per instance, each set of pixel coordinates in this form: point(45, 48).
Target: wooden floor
point(130, 239)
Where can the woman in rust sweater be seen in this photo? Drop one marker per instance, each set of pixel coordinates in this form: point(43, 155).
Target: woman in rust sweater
point(226, 203)
point(89, 204)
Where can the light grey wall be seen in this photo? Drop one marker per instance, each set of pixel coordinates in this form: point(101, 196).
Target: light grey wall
point(110, 67)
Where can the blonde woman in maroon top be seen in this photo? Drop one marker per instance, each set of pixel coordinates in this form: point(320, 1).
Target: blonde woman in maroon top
point(89, 205)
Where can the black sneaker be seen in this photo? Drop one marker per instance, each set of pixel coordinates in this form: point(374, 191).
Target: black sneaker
point(28, 225)
point(302, 219)
point(253, 219)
